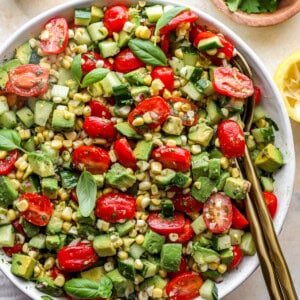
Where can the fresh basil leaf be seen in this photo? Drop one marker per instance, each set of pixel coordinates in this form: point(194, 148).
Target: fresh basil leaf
point(9, 140)
point(272, 123)
point(147, 52)
point(94, 76)
point(105, 288)
point(76, 70)
point(167, 17)
point(86, 191)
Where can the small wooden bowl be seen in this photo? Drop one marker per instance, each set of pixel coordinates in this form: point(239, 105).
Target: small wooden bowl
point(286, 9)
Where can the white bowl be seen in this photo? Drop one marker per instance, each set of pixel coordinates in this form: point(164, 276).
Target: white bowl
point(270, 100)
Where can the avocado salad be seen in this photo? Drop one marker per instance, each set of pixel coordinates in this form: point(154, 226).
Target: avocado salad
point(119, 132)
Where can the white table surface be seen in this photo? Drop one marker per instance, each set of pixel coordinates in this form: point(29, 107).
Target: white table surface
point(272, 45)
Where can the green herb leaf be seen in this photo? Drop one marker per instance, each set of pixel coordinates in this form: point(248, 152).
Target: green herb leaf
point(76, 68)
point(167, 17)
point(94, 76)
point(9, 140)
point(250, 6)
point(86, 191)
point(88, 289)
point(233, 5)
point(148, 52)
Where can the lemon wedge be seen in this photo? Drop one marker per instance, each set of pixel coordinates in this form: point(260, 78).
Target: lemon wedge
point(287, 79)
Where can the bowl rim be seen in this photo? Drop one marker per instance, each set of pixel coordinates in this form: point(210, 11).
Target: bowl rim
point(22, 34)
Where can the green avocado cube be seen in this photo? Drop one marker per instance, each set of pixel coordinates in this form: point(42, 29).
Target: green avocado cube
point(49, 187)
point(52, 242)
point(201, 134)
point(104, 246)
point(143, 150)
point(153, 242)
point(173, 125)
point(202, 188)
point(23, 265)
point(119, 177)
point(63, 119)
point(236, 188)
point(7, 192)
point(120, 283)
point(200, 165)
point(171, 257)
point(7, 235)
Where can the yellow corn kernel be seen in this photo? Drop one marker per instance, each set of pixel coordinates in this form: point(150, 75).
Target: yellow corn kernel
point(157, 293)
point(157, 84)
point(139, 121)
point(235, 172)
point(261, 123)
point(155, 201)
point(224, 162)
point(67, 214)
point(122, 255)
point(138, 264)
point(37, 271)
point(176, 94)
point(217, 143)
point(15, 183)
point(23, 165)
point(156, 167)
point(197, 185)
point(22, 205)
point(148, 79)
point(195, 149)
point(112, 156)
point(213, 266)
point(49, 263)
point(186, 107)
point(143, 32)
point(67, 144)
point(147, 118)
point(118, 243)
point(162, 273)
point(155, 39)
point(82, 97)
point(3, 154)
point(66, 226)
point(19, 175)
point(167, 94)
point(63, 194)
point(222, 268)
point(139, 239)
point(72, 135)
point(178, 53)
point(171, 143)
point(59, 280)
point(11, 215)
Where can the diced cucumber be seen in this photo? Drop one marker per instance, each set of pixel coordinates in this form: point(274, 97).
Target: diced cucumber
point(8, 119)
point(97, 31)
point(7, 236)
point(209, 290)
point(3, 78)
point(204, 86)
point(247, 244)
point(42, 112)
point(267, 183)
point(209, 43)
point(64, 75)
point(136, 250)
point(190, 90)
point(191, 73)
point(259, 113)
point(96, 14)
point(176, 64)
point(190, 56)
point(263, 134)
point(154, 12)
point(60, 91)
point(122, 95)
point(107, 83)
point(214, 112)
point(221, 242)
point(199, 225)
point(108, 48)
point(26, 116)
point(82, 17)
point(3, 107)
point(82, 37)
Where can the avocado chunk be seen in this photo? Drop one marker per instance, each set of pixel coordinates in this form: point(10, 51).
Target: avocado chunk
point(47, 285)
point(23, 265)
point(214, 168)
point(119, 177)
point(49, 187)
point(3, 78)
point(42, 111)
point(199, 225)
point(30, 229)
point(143, 150)
point(221, 242)
point(155, 281)
point(125, 129)
point(55, 223)
point(93, 274)
point(104, 246)
point(26, 116)
point(136, 77)
point(202, 188)
point(203, 255)
point(8, 119)
point(221, 180)
point(120, 283)
point(53, 154)
point(200, 165)
point(170, 257)
point(153, 242)
point(236, 188)
point(38, 241)
point(52, 242)
point(136, 251)
point(124, 228)
point(166, 177)
point(7, 192)
point(11, 64)
point(63, 120)
point(41, 164)
point(149, 269)
point(269, 159)
point(201, 134)
point(126, 268)
point(7, 235)
point(173, 125)
point(23, 53)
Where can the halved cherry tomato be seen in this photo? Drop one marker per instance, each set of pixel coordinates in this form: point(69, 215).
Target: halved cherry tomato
point(184, 287)
point(166, 226)
point(176, 158)
point(16, 248)
point(158, 109)
point(7, 163)
point(39, 209)
point(18, 226)
point(75, 258)
point(231, 138)
point(74, 195)
point(187, 233)
point(166, 75)
point(184, 17)
point(165, 42)
point(124, 153)
point(239, 221)
point(55, 271)
point(188, 117)
point(182, 268)
point(272, 202)
point(232, 83)
point(28, 80)
point(94, 159)
point(228, 48)
point(257, 95)
point(90, 61)
point(115, 207)
point(99, 127)
point(217, 213)
point(58, 36)
point(195, 29)
point(98, 109)
point(187, 203)
point(115, 18)
point(237, 257)
point(126, 61)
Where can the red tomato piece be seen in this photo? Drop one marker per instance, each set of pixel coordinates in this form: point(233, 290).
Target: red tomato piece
point(7, 163)
point(124, 153)
point(232, 83)
point(217, 213)
point(39, 209)
point(98, 109)
point(237, 257)
point(166, 226)
point(166, 75)
point(58, 36)
point(187, 233)
point(228, 48)
point(115, 18)
point(90, 62)
point(202, 35)
point(272, 202)
point(188, 117)
point(159, 111)
point(18, 226)
point(231, 138)
point(257, 95)
point(99, 128)
point(239, 221)
point(176, 158)
point(94, 159)
point(195, 29)
point(184, 17)
point(182, 268)
point(115, 207)
point(75, 258)
point(16, 248)
point(74, 195)
point(185, 286)
point(165, 42)
point(28, 80)
point(187, 203)
point(126, 61)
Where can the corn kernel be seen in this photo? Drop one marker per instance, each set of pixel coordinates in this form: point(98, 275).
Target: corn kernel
point(195, 149)
point(143, 32)
point(235, 172)
point(157, 293)
point(15, 183)
point(213, 266)
point(139, 121)
point(107, 191)
point(122, 255)
point(178, 53)
point(3, 154)
point(139, 239)
point(66, 226)
point(155, 201)
point(22, 205)
point(261, 123)
point(148, 79)
point(222, 268)
point(49, 263)
point(59, 280)
point(72, 135)
point(147, 118)
point(108, 266)
point(167, 94)
point(224, 162)
point(145, 186)
point(67, 214)
point(197, 185)
point(156, 167)
point(138, 264)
